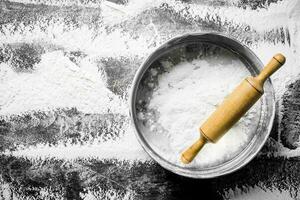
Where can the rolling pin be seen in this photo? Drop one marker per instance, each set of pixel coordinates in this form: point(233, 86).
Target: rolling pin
point(233, 107)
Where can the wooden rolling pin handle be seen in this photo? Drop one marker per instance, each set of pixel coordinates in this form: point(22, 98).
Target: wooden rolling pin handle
point(189, 154)
point(275, 63)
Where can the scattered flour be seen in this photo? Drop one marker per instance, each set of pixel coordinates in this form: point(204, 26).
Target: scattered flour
point(185, 96)
point(56, 82)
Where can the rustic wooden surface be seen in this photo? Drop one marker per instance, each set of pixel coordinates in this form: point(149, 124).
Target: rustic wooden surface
point(21, 177)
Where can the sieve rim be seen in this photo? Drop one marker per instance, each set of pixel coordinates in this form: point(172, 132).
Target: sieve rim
point(246, 55)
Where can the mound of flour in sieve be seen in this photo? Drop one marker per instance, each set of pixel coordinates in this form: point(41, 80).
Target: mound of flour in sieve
point(185, 96)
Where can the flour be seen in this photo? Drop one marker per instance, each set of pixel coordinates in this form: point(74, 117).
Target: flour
point(94, 40)
point(62, 85)
point(185, 96)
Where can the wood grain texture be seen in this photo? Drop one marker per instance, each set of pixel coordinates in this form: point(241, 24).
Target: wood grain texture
point(28, 31)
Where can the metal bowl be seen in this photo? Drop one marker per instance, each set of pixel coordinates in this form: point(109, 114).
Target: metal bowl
point(205, 43)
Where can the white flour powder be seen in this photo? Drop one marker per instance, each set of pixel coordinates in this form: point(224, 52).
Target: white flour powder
point(185, 96)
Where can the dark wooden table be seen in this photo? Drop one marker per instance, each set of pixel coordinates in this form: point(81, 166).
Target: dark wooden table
point(114, 37)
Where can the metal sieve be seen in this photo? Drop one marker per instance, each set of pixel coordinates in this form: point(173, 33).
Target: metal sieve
point(192, 46)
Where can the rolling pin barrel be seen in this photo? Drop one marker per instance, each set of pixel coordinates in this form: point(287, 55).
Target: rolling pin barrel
point(233, 108)
point(230, 111)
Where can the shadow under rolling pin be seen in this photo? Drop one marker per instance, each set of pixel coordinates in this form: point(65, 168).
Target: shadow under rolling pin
point(232, 108)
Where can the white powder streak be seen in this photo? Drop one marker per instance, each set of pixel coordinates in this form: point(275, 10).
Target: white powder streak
point(256, 193)
point(123, 148)
point(111, 194)
point(114, 44)
point(122, 44)
point(57, 82)
point(258, 19)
